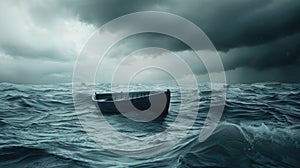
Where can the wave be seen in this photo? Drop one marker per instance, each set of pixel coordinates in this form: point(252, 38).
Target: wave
point(259, 128)
point(245, 145)
point(20, 156)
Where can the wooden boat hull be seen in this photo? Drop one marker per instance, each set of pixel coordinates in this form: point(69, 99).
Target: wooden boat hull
point(110, 103)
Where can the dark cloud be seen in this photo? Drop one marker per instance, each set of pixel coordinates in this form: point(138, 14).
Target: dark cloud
point(99, 12)
point(144, 40)
point(277, 53)
point(258, 34)
point(229, 24)
point(232, 24)
point(286, 74)
point(253, 37)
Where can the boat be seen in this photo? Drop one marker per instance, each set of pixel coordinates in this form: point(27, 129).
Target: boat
point(119, 102)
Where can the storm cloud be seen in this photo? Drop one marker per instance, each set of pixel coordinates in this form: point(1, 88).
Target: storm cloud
point(252, 37)
point(229, 24)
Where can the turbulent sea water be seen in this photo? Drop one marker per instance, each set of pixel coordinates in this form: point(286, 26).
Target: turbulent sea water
point(260, 127)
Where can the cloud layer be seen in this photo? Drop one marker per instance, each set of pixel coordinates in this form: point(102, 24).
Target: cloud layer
point(252, 37)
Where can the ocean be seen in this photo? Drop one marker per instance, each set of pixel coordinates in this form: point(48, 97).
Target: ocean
point(259, 127)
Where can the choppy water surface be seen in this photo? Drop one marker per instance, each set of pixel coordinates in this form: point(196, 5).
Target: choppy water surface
point(260, 127)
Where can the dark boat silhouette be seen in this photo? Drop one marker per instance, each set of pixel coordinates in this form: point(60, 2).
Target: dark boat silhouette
point(138, 102)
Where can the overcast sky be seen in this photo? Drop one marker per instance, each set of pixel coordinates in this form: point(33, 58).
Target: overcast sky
point(257, 40)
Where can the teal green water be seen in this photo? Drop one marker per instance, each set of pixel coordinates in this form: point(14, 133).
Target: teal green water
point(260, 127)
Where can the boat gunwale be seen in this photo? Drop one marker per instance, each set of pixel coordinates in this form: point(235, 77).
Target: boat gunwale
point(118, 100)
